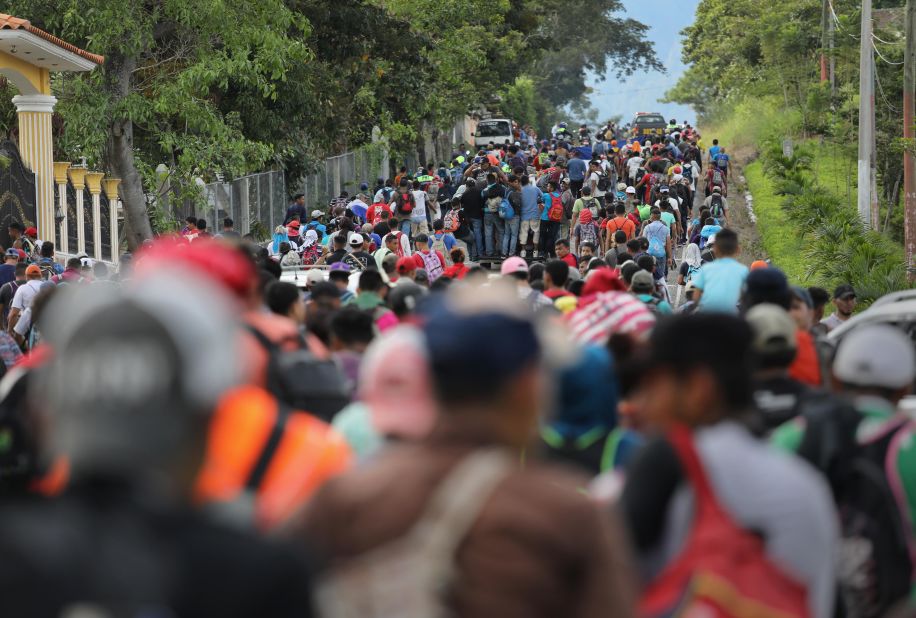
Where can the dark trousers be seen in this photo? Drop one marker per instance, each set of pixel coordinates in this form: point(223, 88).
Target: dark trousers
point(548, 238)
point(576, 186)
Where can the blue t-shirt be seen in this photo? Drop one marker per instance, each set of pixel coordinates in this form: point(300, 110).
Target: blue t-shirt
point(448, 239)
point(713, 151)
point(7, 273)
point(576, 169)
point(547, 200)
point(530, 197)
point(721, 282)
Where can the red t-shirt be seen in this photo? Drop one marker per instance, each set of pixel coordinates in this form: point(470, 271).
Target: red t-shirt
point(806, 367)
point(570, 259)
point(418, 259)
point(555, 294)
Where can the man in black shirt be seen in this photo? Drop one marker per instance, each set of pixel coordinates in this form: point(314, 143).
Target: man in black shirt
point(338, 253)
point(472, 204)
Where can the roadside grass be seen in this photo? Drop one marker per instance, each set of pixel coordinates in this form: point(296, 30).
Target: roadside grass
point(779, 237)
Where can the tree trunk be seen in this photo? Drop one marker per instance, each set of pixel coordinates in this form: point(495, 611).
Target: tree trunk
point(121, 154)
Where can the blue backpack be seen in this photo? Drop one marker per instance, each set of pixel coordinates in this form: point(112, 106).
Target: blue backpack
point(505, 209)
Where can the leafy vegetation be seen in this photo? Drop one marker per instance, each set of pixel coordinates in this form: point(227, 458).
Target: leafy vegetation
point(228, 87)
point(755, 79)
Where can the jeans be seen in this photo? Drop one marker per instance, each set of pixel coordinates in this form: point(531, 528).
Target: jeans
point(478, 247)
point(492, 224)
point(510, 235)
point(405, 227)
point(418, 227)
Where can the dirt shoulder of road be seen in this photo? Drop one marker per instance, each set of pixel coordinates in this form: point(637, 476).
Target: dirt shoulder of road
point(740, 217)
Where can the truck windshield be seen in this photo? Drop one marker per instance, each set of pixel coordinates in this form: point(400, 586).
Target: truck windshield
point(493, 129)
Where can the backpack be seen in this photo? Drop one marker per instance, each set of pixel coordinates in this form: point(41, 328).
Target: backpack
point(405, 203)
point(432, 264)
point(657, 247)
point(505, 209)
point(424, 557)
point(439, 245)
point(387, 192)
point(722, 162)
point(555, 212)
point(875, 564)
point(303, 381)
point(715, 207)
point(717, 177)
point(452, 220)
point(722, 567)
point(592, 204)
point(604, 182)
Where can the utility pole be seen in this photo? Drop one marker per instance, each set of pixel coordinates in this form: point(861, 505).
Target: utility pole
point(866, 117)
point(831, 27)
point(909, 162)
point(824, 19)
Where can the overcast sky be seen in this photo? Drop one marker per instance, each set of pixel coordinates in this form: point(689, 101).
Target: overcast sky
point(641, 91)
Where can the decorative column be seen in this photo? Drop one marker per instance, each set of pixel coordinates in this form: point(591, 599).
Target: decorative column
point(78, 178)
point(36, 147)
point(60, 179)
point(94, 183)
point(111, 191)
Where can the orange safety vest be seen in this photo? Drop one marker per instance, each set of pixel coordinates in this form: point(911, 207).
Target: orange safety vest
point(308, 453)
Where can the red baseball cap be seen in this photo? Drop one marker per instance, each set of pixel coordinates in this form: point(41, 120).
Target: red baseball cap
point(31, 231)
point(406, 265)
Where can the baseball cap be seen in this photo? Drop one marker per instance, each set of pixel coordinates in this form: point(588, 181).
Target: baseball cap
point(31, 231)
point(843, 291)
point(316, 214)
point(32, 270)
point(875, 355)
point(621, 186)
point(364, 186)
point(774, 329)
point(716, 190)
point(642, 282)
point(663, 189)
point(399, 394)
point(631, 190)
point(356, 240)
point(314, 276)
point(405, 265)
point(803, 295)
point(513, 265)
point(12, 253)
point(757, 264)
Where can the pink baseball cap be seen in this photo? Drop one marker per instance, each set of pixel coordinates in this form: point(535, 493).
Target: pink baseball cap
point(396, 386)
point(513, 265)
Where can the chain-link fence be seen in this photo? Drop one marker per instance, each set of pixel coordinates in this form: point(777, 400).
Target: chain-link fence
point(344, 172)
point(256, 203)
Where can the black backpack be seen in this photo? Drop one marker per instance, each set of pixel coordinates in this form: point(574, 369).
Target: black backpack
point(20, 461)
point(303, 381)
point(715, 206)
point(875, 566)
point(604, 182)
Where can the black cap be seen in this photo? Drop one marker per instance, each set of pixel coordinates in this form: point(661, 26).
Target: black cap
point(843, 291)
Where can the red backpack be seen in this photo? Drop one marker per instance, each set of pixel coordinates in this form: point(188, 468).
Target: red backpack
point(555, 213)
point(723, 569)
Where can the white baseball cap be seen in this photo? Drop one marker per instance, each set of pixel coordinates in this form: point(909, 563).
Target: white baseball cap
point(315, 275)
point(356, 240)
point(876, 355)
point(631, 190)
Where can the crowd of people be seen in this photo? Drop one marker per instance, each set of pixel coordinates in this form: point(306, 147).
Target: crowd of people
point(409, 433)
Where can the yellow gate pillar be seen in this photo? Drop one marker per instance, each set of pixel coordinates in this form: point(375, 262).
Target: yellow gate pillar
point(36, 143)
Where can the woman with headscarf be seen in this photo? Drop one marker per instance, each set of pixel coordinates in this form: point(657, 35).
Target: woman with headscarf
point(311, 249)
point(690, 265)
point(280, 236)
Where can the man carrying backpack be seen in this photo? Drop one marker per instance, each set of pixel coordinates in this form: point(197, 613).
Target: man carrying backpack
point(432, 261)
point(866, 453)
point(457, 507)
point(775, 523)
point(718, 206)
point(715, 177)
point(659, 237)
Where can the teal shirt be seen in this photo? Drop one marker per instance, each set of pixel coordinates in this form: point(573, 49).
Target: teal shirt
point(721, 282)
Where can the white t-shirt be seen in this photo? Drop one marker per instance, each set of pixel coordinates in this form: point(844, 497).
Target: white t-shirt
point(633, 165)
point(419, 210)
point(26, 294)
point(593, 183)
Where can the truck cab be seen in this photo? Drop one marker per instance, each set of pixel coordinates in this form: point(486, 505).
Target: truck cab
point(496, 130)
point(649, 125)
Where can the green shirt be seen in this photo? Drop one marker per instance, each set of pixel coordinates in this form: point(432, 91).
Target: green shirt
point(644, 212)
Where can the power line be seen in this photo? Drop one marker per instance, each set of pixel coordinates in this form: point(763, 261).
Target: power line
point(874, 47)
